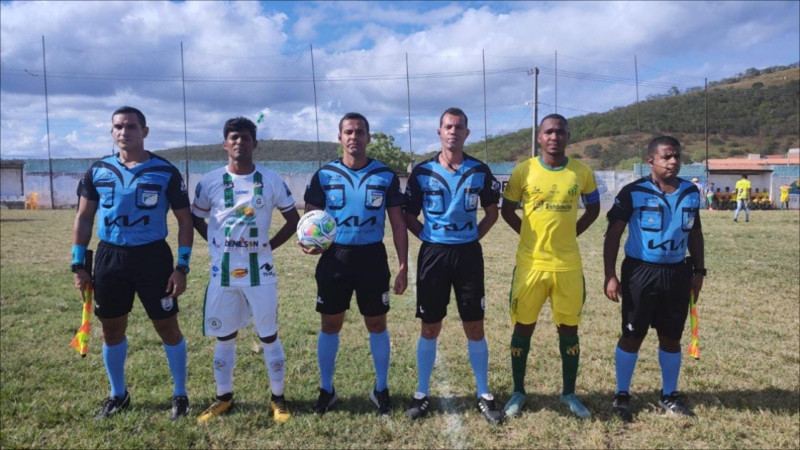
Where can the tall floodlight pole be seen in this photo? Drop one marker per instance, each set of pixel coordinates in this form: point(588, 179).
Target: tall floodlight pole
point(535, 73)
point(636, 75)
point(47, 121)
point(408, 102)
point(316, 115)
point(185, 135)
point(485, 121)
point(706, 128)
point(556, 81)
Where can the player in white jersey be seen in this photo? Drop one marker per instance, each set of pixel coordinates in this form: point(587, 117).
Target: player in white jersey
point(238, 201)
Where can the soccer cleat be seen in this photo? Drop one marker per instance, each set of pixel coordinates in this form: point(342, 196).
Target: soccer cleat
point(575, 406)
point(180, 407)
point(280, 410)
point(514, 406)
point(622, 406)
point(489, 410)
point(325, 401)
point(217, 408)
point(382, 400)
point(112, 405)
point(418, 408)
point(672, 404)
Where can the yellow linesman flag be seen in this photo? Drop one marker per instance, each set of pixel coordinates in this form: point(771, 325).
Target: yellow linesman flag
point(81, 340)
point(694, 346)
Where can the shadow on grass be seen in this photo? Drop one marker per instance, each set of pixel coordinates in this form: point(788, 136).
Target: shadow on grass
point(778, 401)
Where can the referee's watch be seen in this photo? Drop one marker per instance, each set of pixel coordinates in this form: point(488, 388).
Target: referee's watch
point(700, 271)
point(75, 267)
point(184, 269)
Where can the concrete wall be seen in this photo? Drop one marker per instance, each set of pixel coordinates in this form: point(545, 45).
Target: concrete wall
point(296, 174)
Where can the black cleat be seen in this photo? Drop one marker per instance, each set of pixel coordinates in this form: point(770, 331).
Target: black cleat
point(490, 411)
point(112, 405)
point(382, 400)
point(622, 406)
point(180, 407)
point(418, 408)
point(325, 401)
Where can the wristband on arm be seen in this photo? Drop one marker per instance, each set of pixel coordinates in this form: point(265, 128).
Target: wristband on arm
point(184, 255)
point(78, 257)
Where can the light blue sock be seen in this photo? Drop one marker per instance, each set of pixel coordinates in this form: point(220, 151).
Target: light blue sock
point(114, 357)
point(380, 347)
point(426, 357)
point(625, 363)
point(670, 369)
point(479, 360)
point(327, 348)
point(176, 358)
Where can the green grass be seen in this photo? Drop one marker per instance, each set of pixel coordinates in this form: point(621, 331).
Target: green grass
point(744, 389)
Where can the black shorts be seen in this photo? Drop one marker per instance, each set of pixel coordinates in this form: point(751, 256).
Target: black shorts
point(441, 266)
point(121, 272)
point(655, 295)
point(343, 269)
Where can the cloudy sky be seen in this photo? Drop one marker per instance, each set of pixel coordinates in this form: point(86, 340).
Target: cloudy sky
point(298, 66)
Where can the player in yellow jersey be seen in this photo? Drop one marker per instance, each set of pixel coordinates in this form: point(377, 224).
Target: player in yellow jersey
point(742, 192)
point(548, 262)
point(785, 196)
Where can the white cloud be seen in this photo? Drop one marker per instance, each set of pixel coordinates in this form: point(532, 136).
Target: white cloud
point(241, 58)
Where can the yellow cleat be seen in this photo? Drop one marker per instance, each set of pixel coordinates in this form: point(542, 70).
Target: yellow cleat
point(280, 410)
point(217, 408)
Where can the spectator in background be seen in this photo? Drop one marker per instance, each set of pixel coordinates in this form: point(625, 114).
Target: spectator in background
point(710, 203)
point(696, 182)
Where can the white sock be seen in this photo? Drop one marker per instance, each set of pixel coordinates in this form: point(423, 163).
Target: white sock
point(224, 361)
point(275, 361)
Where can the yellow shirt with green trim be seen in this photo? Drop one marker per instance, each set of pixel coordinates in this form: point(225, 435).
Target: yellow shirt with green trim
point(549, 198)
point(742, 189)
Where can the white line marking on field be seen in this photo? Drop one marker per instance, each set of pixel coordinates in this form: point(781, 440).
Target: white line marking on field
point(455, 427)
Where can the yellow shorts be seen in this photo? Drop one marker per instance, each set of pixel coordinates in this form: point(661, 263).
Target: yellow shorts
point(531, 288)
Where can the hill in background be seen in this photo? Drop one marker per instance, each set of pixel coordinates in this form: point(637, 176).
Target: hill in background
point(754, 112)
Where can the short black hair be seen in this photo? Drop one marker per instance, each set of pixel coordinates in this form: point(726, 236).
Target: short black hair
point(353, 116)
point(453, 111)
point(668, 141)
point(239, 124)
point(557, 117)
point(131, 110)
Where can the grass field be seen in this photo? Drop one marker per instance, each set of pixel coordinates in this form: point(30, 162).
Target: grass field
point(744, 389)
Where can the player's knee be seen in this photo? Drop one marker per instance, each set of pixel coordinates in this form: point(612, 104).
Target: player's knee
point(630, 344)
point(228, 337)
point(269, 339)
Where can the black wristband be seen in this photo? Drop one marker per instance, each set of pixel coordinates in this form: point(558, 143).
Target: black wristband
point(700, 271)
point(76, 267)
point(182, 268)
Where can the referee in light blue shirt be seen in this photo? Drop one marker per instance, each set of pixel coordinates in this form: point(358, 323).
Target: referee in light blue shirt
point(448, 189)
point(359, 192)
point(662, 213)
point(130, 193)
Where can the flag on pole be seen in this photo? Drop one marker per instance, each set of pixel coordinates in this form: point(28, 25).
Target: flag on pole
point(81, 340)
point(694, 346)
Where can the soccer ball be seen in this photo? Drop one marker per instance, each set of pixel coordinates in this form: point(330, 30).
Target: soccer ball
point(316, 229)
